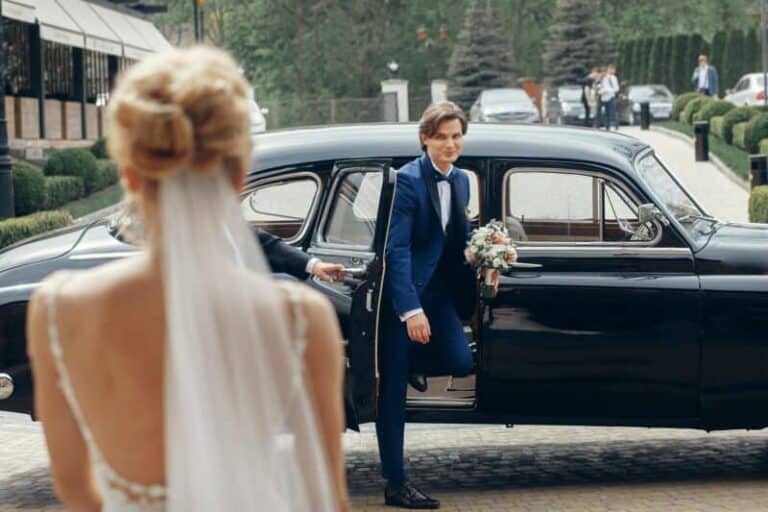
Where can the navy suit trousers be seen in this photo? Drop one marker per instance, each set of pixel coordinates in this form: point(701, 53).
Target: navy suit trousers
point(447, 353)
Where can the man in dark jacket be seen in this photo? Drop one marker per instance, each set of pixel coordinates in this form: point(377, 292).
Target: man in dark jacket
point(285, 259)
point(705, 79)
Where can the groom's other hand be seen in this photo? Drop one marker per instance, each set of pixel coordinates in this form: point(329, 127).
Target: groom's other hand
point(328, 272)
point(418, 328)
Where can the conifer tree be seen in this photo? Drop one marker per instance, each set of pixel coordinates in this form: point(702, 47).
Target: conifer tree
point(732, 59)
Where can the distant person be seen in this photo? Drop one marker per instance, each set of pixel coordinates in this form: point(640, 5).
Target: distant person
point(609, 90)
point(704, 78)
point(587, 93)
point(597, 105)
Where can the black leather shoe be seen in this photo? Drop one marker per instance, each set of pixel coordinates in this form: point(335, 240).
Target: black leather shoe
point(418, 381)
point(407, 496)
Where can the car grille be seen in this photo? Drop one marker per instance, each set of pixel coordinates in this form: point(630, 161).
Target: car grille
point(511, 117)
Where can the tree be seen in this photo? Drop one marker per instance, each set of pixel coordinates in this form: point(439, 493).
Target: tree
point(482, 57)
point(653, 73)
point(575, 43)
point(732, 60)
point(625, 63)
point(718, 50)
point(679, 69)
point(752, 61)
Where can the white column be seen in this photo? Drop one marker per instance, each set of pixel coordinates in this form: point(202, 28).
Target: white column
point(399, 87)
point(439, 90)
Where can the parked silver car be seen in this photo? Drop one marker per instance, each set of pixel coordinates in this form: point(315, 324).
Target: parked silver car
point(658, 96)
point(564, 106)
point(749, 90)
point(504, 106)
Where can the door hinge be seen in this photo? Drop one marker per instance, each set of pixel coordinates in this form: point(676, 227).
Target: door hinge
point(369, 300)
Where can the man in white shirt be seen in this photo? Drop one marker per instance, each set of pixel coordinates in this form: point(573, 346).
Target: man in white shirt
point(705, 78)
point(609, 89)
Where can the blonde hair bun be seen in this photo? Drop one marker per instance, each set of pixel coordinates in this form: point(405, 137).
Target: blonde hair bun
point(181, 109)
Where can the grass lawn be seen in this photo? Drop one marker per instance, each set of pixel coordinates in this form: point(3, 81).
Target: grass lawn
point(96, 201)
point(732, 156)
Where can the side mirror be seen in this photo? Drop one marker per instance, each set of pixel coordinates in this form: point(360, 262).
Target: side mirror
point(649, 212)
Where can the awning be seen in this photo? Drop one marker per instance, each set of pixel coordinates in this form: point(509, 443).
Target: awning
point(98, 36)
point(150, 33)
point(134, 45)
point(56, 25)
point(20, 10)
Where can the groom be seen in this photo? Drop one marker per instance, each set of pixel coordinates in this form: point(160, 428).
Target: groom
point(427, 285)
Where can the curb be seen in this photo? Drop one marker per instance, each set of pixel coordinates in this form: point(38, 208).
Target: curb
point(714, 159)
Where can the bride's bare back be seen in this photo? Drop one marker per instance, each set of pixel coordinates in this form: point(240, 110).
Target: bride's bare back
point(111, 325)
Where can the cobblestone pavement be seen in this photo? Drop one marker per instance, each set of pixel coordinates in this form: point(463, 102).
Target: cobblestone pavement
point(716, 192)
point(491, 468)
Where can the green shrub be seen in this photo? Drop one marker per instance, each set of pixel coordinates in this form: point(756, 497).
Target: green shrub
point(734, 116)
point(19, 228)
point(693, 107)
point(60, 190)
point(757, 130)
point(758, 204)
point(74, 162)
point(28, 188)
point(763, 147)
point(712, 109)
point(680, 102)
point(716, 126)
point(99, 148)
point(107, 174)
point(739, 133)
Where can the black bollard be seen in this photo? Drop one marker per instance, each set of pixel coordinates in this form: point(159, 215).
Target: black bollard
point(645, 115)
point(701, 132)
point(758, 170)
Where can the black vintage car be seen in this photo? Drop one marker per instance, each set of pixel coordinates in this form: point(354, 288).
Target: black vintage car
point(645, 310)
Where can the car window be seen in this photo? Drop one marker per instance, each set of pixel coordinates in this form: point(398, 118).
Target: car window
point(352, 217)
point(281, 207)
point(561, 206)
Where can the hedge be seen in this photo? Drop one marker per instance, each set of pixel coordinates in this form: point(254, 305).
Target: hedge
point(712, 109)
point(693, 107)
point(74, 162)
point(107, 174)
point(679, 104)
point(758, 204)
point(763, 147)
point(28, 188)
point(739, 133)
point(757, 130)
point(734, 116)
point(19, 228)
point(716, 126)
point(62, 189)
point(99, 148)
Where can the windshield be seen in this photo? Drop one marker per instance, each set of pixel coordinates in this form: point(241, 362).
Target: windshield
point(649, 92)
point(677, 201)
point(497, 96)
point(569, 94)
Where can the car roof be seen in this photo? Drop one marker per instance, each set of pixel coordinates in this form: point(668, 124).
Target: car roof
point(298, 146)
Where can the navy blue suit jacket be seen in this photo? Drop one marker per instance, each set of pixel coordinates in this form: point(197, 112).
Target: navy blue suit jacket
point(416, 238)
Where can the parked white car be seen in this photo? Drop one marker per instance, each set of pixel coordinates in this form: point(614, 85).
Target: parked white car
point(749, 90)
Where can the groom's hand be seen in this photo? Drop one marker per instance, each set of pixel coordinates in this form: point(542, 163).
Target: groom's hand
point(418, 328)
point(328, 272)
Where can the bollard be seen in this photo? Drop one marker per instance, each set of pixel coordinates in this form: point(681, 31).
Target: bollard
point(758, 170)
point(645, 115)
point(701, 132)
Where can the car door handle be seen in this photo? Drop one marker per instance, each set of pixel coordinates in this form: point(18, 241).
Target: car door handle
point(355, 271)
point(523, 265)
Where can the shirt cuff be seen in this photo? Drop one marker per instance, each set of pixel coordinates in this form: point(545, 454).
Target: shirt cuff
point(408, 314)
point(311, 265)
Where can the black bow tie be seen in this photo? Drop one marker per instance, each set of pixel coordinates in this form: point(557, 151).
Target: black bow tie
point(442, 177)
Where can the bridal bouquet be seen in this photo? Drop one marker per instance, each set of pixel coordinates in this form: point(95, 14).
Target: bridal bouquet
point(490, 251)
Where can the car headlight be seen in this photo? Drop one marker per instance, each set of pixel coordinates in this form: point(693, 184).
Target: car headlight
point(635, 107)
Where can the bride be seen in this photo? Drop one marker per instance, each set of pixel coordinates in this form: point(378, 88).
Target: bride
point(184, 378)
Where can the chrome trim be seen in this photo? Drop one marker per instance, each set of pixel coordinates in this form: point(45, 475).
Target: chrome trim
point(610, 250)
point(19, 287)
point(593, 174)
point(6, 386)
point(103, 255)
point(287, 176)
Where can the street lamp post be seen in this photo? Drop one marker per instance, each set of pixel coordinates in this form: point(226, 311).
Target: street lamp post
point(196, 14)
point(6, 173)
point(764, 38)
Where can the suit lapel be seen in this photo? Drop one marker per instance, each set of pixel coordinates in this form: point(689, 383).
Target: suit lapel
point(427, 172)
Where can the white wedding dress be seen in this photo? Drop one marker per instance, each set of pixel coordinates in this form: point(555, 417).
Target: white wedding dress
point(240, 429)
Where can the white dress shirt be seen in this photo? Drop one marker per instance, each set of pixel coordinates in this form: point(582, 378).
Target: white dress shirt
point(444, 193)
point(609, 86)
point(703, 77)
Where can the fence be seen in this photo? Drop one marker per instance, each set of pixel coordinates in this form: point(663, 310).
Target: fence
point(295, 112)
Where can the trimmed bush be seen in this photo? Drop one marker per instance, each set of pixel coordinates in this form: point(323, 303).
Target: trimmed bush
point(712, 109)
point(757, 130)
point(28, 188)
point(19, 228)
point(763, 147)
point(693, 107)
point(758, 204)
point(60, 190)
point(107, 174)
point(99, 148)
point(739, 133)
point(679, 104)
point(716, 126)
point(74, 162)
point(734, 116)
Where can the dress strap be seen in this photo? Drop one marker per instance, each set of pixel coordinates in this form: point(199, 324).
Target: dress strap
point(299, 320)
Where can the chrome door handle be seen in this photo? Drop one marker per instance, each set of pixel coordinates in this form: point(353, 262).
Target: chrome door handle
point(354, 271)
